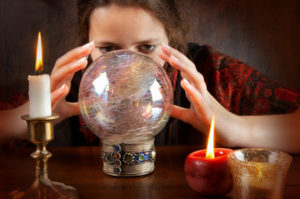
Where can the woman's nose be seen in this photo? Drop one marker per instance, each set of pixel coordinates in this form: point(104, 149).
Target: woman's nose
point(131, 48)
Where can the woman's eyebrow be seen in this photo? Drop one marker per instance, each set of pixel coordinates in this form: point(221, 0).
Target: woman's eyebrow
point(106, 43)
point(148, 41)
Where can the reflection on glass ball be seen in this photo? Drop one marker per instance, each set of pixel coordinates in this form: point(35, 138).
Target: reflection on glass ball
point(125, 97)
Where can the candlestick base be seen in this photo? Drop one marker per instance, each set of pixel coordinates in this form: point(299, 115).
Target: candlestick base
point(40, 133)
point(128, 159)
point(43, 187)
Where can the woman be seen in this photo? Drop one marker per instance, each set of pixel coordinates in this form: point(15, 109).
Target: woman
point(214, 84)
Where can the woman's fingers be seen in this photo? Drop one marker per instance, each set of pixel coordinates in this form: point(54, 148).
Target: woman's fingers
point(180, 113)
point(73, 108)
point(182, 63)
point(68, 64)
point(201, 108)
point(69, 108)
point(58, 94)
point(61, 75)
point(169, 51)
point(75, 54)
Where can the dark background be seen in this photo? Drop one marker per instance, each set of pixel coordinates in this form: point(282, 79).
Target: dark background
point(262, 33)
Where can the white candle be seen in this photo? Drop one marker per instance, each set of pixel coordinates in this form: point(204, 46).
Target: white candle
point(39, 87)
point(39, 95)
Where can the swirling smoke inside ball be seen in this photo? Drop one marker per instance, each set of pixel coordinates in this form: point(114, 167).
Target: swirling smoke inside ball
point(125, 97)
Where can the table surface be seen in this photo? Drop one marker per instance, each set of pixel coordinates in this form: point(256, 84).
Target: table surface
point(81, 168)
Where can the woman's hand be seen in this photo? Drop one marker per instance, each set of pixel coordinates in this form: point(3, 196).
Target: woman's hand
point(280, 132)
point(203, 105)
point(61, 76)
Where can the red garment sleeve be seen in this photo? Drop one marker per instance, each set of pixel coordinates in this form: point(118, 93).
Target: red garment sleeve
point(16, 100)
point(243, 90)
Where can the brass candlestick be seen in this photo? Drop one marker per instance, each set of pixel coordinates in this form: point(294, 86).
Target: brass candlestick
point(40, 132)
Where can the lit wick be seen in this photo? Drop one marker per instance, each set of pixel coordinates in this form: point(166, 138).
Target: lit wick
point(210, 145)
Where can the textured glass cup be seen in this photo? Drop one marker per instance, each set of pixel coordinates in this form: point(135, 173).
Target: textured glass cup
point(259, 173)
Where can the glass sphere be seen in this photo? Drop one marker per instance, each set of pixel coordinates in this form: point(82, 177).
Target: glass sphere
point(125, 97)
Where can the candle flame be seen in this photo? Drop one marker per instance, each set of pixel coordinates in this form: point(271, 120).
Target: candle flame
point(39, 54)
point(210, 145)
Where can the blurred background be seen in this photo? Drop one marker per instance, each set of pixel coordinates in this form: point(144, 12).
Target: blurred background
point(264, 34)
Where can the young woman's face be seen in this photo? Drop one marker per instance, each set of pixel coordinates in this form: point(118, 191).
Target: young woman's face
point(130, 28)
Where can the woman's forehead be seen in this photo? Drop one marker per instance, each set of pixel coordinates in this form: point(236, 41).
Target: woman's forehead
point(117, 22)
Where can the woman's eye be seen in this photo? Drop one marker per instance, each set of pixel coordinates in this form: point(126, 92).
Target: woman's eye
point(107, 49)
point(146, 48)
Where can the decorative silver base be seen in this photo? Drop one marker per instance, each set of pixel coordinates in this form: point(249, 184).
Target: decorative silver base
point(128, 160)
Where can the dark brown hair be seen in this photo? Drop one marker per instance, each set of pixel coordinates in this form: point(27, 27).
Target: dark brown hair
point(164, 10)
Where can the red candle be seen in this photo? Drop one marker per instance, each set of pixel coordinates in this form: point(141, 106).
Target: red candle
point(207, 171)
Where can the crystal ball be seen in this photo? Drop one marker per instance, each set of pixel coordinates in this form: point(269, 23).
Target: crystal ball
point(125, 97)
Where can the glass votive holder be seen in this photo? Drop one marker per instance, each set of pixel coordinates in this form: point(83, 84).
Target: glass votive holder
point(259, 173)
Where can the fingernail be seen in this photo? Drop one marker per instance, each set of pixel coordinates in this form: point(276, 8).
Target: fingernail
point(88, 45)
point(92, 44)
point(167, 47)
point(174, 59)
point(186, 82)
point(81, 60)
point(62, 87)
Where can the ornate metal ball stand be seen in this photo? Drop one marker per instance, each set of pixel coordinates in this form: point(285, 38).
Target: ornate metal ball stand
point(128, 159)
point(40, 133)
